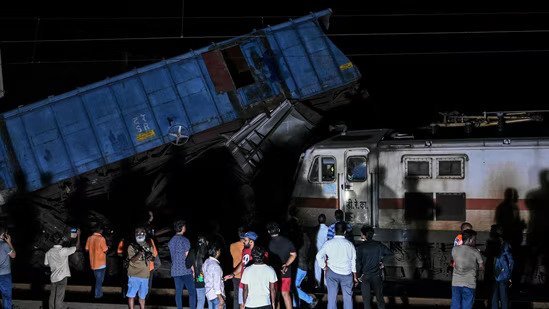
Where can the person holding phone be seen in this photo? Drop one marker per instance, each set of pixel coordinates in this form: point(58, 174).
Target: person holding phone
point(57, 258)
point(6, 254)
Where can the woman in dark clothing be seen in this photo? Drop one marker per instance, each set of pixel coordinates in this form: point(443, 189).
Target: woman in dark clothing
point(195, 259)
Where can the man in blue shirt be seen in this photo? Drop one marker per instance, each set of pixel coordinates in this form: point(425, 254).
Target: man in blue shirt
point(179, 249)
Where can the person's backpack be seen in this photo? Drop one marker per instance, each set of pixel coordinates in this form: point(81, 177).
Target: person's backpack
point(503, 264)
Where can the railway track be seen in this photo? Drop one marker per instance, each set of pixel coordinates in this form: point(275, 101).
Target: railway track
point(77, 297)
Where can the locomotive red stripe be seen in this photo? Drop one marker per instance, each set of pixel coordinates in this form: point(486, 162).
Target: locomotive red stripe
point(313, 202)
point(398, 203)
point(472, 203)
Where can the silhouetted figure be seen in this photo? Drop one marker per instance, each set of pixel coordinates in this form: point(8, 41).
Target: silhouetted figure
point(508, 217)
point(537, 238)
point(419, 209)
point(499, 267)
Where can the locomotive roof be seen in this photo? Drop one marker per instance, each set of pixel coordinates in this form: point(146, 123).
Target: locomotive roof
point(351, 139)
point(387, 137)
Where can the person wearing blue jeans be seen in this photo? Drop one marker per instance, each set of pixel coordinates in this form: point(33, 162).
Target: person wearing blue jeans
point(467, 262)
point(179, 247)
point(200, 298)
point(213, 278)
point(5, 289)
point(99, 275)
point(340, 267)
point(187, 282)
point(500, 293)
point(309, 299)
point(6, 254)
point(302, 265)
point(214, 304)
point(97, 247)
point(462, 297)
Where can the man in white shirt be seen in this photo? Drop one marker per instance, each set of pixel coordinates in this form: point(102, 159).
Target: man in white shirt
point(57, 258)
point(321, 238)
point(259, 281)
point(213, 278)
point(340, 268)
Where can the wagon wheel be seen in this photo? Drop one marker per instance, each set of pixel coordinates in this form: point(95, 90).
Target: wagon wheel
point(180, 134)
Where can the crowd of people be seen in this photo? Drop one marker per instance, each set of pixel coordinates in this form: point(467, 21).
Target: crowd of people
point(265, 273)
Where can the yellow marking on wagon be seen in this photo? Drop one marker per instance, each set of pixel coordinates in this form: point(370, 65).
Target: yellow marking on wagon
point(145, 135)
point(346, 66)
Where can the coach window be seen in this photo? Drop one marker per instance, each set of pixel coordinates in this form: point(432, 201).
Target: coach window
point(418, 168)
point(450, 168)
point(356, 169)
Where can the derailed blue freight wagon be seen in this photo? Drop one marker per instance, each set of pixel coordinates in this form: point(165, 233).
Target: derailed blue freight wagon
point(102, 123)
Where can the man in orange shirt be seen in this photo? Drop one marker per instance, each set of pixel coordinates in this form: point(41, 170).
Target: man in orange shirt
point(236, 252)
point(96, 245)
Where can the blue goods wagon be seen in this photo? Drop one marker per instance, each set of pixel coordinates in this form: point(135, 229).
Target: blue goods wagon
point(76, 132)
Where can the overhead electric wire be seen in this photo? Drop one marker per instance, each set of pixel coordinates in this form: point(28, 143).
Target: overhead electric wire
point(348, 55)
point(425, 33)
point(275, 16)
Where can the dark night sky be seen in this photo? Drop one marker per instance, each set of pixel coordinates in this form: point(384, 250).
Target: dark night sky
point(421, 73)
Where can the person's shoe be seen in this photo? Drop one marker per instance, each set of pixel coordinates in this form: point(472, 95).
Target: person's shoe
point(314, 303)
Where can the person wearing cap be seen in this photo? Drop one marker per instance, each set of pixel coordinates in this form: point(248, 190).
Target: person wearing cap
point(236, 253)
point(249, 242)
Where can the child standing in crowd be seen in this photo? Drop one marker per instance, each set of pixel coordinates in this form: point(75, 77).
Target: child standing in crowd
point(459, 238)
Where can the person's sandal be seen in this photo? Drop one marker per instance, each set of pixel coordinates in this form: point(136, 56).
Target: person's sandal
point(314, 303)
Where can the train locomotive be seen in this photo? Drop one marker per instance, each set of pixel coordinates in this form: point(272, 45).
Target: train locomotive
point(416, 192)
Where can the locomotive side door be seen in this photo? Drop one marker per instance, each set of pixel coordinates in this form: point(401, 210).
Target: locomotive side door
point(354, 185)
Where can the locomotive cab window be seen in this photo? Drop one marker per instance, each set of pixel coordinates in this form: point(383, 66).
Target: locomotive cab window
point(328, 169)
point(323, 169)
point(356, 169)
point(418, 167)
point(450, 168)
point(313, 173)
